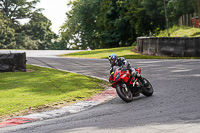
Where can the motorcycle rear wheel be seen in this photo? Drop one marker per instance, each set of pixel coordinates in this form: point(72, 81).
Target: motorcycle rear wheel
point(124, 93)
point(148, 89)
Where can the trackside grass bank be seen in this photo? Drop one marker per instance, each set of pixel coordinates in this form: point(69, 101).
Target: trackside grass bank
point(125, 52)
point(182, 31)
point(43, 88)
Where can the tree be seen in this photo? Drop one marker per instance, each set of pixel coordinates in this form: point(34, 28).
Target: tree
point(155, 11)
point(198, 7)
point(39, 30)
point(7, 34)
point(12, 32)
point(101, 22)
point(80, 28)
point(177, 8)
point(17, 9)
point(111, 35)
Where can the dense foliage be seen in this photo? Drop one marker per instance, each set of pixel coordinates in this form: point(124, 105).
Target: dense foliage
point(113, 23)
point(36, 34)
point(93, 23)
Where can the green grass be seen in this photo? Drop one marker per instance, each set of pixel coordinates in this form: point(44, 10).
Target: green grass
point(121, 52)
point(182, 31)
point(43, 86)
point(104, 53)
point(101, 53)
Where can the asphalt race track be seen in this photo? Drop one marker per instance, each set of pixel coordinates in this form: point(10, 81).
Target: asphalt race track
point(174, 107)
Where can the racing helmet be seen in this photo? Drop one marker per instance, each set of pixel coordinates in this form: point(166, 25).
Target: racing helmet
point(113, 59)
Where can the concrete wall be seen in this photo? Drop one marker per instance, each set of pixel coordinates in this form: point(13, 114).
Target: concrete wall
point(169, 46)
point(12, 61)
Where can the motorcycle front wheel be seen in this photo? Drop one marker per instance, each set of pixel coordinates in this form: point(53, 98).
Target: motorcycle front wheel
point(124, 93)
point(148, 89)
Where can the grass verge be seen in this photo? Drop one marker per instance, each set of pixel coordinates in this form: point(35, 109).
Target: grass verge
point(182, 31)
point(43, 88)
point(125, 52)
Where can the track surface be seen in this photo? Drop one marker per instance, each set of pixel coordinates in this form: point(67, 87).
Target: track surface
point(174, 107)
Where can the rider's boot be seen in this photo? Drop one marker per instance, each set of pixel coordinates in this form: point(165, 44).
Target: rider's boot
point(136, 74)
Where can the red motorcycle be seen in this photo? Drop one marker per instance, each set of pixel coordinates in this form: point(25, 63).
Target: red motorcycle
point(128, 86)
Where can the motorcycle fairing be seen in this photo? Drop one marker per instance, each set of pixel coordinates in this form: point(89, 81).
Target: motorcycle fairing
point(119, 74)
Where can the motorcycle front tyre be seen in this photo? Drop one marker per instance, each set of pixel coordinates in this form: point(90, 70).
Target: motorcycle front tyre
point(148, 90)
point(126, 96)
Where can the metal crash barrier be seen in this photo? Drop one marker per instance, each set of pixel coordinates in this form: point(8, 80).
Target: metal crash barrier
point(12, 61)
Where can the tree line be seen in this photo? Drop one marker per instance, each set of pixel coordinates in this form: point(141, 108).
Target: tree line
point(36, 34)
point(114, 23)
point(93, 23)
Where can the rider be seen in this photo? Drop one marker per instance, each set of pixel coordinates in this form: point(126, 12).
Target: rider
point(122, 62)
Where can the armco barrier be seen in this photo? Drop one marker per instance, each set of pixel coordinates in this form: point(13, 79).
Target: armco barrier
point(169, 46)
point(12, 61)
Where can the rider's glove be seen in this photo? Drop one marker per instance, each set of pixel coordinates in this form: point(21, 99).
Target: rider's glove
point(136, 74)
point(133, 73)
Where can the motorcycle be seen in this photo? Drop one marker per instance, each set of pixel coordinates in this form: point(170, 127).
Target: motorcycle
point(128, 86)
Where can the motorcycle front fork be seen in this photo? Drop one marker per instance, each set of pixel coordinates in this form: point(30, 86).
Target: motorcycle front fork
point(125, 87)
point(137, 83)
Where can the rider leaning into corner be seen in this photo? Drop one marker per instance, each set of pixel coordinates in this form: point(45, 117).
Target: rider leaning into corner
point(122, 62)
